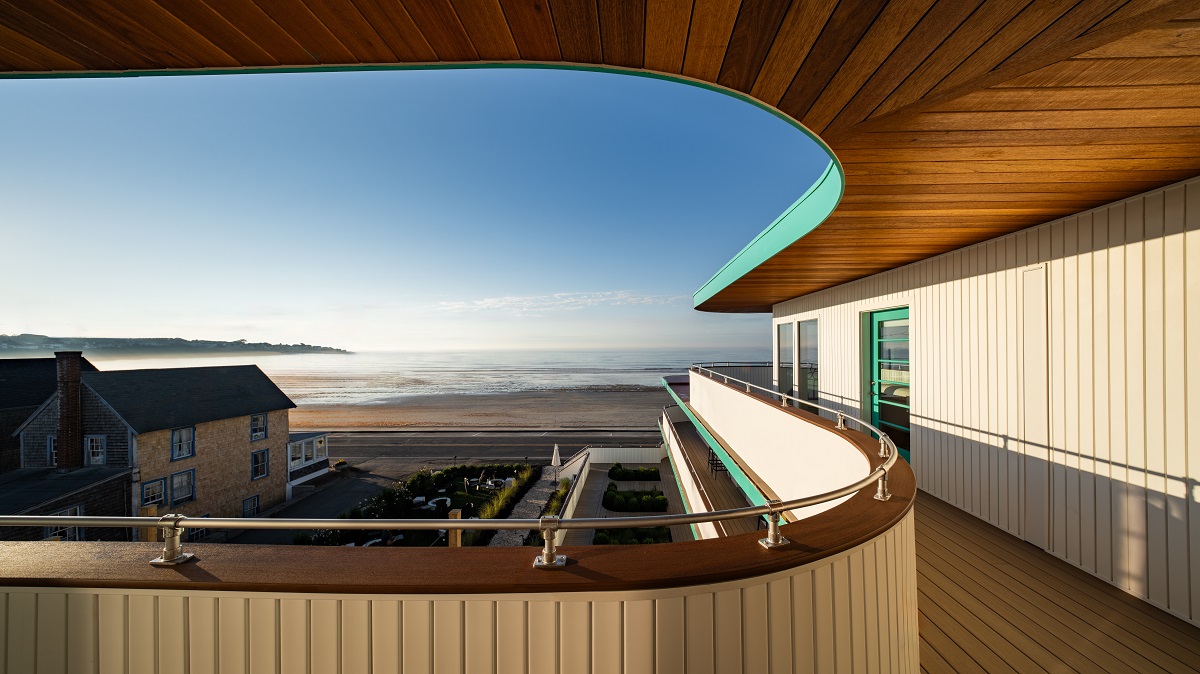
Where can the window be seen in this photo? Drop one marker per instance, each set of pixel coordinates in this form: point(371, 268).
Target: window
point(258, 464)
point(183, 443)
point(250, 506)
point(183, 487)
point(784, 358)
point(94, 449)
point(194, 535)
point(52, 451)
point(809, 383)
point(309, 456)
point(64, 532)
point(322, 450)
point(258, 426)
point(154, 492)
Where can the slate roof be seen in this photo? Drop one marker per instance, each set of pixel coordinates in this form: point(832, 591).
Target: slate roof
point(25, 489)
point(154, 400)
point(29, 382)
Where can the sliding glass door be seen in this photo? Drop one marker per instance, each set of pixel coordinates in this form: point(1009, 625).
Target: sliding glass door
point(890, 382)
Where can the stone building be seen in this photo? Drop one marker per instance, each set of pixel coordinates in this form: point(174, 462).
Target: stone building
point(203, 441)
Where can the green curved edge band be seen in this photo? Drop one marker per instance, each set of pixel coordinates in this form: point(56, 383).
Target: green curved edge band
point(740, 478)
point(799, 219)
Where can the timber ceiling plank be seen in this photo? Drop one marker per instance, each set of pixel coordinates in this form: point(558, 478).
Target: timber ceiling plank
point(892, 25)
point(577, 24)
point(978, 28)
point(1177, 38)
point(1048, 119)
point(398, 30)
point(1071, 25)
point(61, 31)
point(163, 38)
point(533, 29)
point(1128, 12)
point(838, 38)
point(348, 27)
point(1034, 19)
point(1112, 72)
point(1129, 97)
point(797, 34)
point(667, 24)
point(708, 37)
point(757, 25)
point(32, 55)
point(294, 17)
point(262, 30)
point(488, 29)
point(623, 32)
point(217, 30)
point(938, 24)
point(443, 31)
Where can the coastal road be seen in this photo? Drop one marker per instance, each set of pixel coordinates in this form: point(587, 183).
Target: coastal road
point(482, 446)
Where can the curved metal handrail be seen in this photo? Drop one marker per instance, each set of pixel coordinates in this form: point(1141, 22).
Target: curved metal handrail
point(172, 525)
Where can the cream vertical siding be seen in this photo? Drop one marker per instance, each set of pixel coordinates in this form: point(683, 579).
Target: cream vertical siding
point(1074, 344)
point(854, 612)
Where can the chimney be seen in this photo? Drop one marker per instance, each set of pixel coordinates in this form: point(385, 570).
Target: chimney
point(70, 410)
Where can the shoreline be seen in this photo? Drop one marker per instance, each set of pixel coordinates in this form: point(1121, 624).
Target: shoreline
point(567, 410)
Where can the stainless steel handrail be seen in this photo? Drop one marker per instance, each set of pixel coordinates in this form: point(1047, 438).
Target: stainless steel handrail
point(172, 525)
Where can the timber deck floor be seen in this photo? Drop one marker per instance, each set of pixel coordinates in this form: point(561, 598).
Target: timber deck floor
point(990, 602)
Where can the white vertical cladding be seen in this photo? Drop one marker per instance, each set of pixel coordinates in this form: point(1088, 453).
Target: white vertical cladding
point(855, 611)
point(1115, 419)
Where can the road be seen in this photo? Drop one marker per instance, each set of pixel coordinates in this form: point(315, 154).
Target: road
point(445, 448)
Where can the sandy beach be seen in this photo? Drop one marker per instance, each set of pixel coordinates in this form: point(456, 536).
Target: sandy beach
point(592, 409)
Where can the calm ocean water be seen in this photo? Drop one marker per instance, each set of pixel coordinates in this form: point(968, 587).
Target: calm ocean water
point(374, 377)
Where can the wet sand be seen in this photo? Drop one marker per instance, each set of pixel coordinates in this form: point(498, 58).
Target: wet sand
point(591, 409)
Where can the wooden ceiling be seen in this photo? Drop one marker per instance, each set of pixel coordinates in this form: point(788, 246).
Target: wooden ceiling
point(956, 121)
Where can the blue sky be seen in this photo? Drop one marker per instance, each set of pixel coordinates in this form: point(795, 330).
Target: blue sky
point(402, 210)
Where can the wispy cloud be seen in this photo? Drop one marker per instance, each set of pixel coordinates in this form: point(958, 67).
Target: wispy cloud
point(533, 304)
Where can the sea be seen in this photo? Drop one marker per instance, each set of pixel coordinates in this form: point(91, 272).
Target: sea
point(374, 378)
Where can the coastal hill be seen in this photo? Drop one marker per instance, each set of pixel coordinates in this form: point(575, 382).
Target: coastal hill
point(32, 345)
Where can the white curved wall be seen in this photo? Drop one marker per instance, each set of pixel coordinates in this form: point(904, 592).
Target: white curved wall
point(856, 611)
point(794, 458)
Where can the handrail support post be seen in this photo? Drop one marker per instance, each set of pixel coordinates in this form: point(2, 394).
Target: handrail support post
point(774, 537)
point(172, 534)
point(841, 425)
point(549, 559)
point(881, 492)
point(883, 446)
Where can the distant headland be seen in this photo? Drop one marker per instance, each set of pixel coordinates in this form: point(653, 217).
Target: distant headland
point(27, 344)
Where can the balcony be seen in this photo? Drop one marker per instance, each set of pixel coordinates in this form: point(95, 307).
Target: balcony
point(832, 584)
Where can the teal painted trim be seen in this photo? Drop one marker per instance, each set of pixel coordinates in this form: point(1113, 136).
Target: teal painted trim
point(678, 487)
point(743, 482)
point(798, 220)
point(803, 216)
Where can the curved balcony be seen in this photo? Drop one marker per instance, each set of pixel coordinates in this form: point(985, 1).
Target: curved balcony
point(838, 587)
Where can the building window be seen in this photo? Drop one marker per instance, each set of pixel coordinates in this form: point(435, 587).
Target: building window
point(194, 535)
point(809, 356)
point(784, 359)
point(322, 450)
point(154, 492)
point(250, 506)
point(52, 451)
point(94, 449)
point(183, 486)
point(62, 531)
point(258, 464)
point(183, 443)
point(258, 426)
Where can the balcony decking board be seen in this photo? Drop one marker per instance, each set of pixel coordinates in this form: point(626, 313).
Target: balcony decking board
point(994, 598)
point(722, 492)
